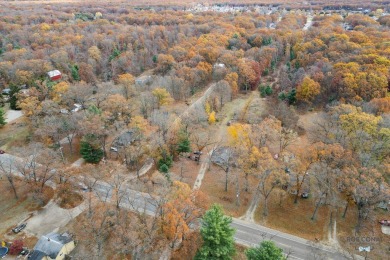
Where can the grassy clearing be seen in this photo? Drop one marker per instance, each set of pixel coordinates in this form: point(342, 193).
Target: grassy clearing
point(14, 134)
point(185, 170)
point(213, 185)
point(371, 232)
point(75, 155)
point(13, 211)
point(240, 252)
point(295, 218)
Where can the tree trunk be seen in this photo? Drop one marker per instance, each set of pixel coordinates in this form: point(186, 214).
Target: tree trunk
point(246, 182)
point(70, 140)
point(137, 167)
point(181, 171)
point(265, 208)
point(226, 179)
point(345, 209)
point(237, 192)
point(360, 217)
point(280, 199)
point(198, 162)
point(296, 197)
point(11, 181)
point(298, 188)
point(316, 209)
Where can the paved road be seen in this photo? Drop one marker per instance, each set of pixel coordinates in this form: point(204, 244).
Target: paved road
point(247, 233)
point(251, 234)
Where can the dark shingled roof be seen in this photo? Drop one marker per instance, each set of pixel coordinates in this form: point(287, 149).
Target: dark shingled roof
point(37, 255)
point(50, 245)
point(126, 138)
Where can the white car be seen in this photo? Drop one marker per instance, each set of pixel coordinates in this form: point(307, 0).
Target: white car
point(64, 111)
point(77, 107)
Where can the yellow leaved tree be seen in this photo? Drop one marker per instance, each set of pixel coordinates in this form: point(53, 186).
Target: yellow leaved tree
point(162, 97)
point(58, 90)
point(308, 90)
point(212, 118)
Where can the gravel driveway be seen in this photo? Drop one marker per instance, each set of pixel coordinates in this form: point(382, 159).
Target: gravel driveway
point(12, 115)
point(51, 218)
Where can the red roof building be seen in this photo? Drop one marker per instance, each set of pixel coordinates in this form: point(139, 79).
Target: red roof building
point(54, 75)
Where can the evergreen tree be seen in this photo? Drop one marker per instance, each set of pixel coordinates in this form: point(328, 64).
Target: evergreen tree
point(2, 117)
point(165, 159)
point(267, 250)
point(75, 72)
point(90, 150)
point(218, 242)
point(13, 99)
point(183, 145)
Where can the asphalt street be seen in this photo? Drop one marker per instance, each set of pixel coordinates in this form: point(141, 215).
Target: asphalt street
point(247, 233)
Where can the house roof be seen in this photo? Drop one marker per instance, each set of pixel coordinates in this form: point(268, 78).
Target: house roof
point(53, 73)
point(125, 138)
point(50, 245)
point(143, 79)
point(37, 255)
point(223, 155)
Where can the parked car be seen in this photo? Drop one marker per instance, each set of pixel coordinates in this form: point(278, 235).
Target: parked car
point(305, 195)
point(64, 111)
point(384, 222)
point(30, 254)
point(2, 152)
point(77, 107)
point(19, 228)
point(6, 91)
point(24, 251)
point(83, 187)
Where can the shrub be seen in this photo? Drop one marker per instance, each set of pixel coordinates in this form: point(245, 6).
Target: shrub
point(265, 90)
point(16, 247)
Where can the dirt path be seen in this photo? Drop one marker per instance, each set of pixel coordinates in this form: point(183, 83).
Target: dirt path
point(332, 234)
point(221, 134)
point(250, 213)
point(309, 22)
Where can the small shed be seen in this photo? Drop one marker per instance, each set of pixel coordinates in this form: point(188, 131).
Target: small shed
point(54, 75)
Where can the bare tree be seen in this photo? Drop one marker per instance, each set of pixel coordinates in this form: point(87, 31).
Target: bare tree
point(8, 170)
point(38, 165)
point(201, 140)
point(225, 162)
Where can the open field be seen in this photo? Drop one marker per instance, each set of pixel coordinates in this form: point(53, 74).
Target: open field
point(213, 185)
